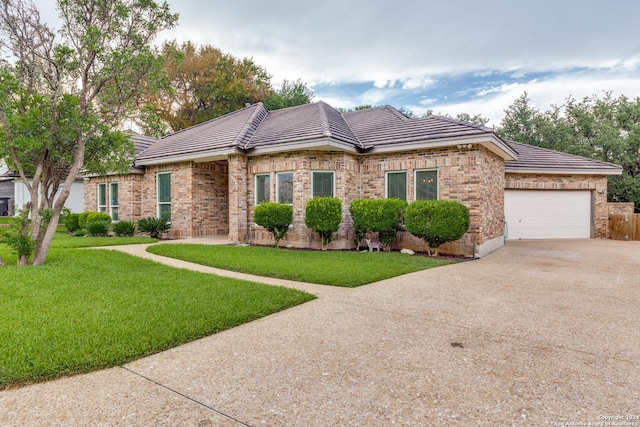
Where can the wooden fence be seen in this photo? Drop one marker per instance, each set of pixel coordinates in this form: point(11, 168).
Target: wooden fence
point(624, 227)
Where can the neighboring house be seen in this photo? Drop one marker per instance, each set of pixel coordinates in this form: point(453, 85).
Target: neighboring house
point(14, 194)
point(207, 179)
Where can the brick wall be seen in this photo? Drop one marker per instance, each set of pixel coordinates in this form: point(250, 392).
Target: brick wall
point(129, 195)
point(621, 208)
point(597, 184)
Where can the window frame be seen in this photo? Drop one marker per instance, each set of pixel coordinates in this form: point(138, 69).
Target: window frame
point(102, 196)
point(113, 206)
point(415, 183)
point(406, 181)
point(158, 202)
point(278, 199)
point(268, 188)
point(333, 182)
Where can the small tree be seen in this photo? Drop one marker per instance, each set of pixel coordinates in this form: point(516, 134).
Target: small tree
point(275, 217)
point(324, 215)
point(16, 237)
point(437, 221)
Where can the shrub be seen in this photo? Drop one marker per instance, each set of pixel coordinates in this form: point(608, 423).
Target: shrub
point(16, 236)
point(80, 232)
point(275, 217)
point(382, 216)
point(324, 215)
point(124, 228)
point(72, 223)
point(154, 226)
point(98, 227)
point(437, 221)
point(86, 217)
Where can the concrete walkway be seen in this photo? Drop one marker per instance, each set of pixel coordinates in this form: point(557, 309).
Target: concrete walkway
point(538, 333)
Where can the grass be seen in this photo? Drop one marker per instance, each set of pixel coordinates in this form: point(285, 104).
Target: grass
point(336, 268)
point(66, 240)
point(86, 310)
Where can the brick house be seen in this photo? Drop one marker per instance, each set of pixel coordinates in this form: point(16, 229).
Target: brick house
point(208, 178)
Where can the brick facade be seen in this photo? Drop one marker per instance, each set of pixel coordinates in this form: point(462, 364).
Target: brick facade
point(597, 185)
point(621, 208)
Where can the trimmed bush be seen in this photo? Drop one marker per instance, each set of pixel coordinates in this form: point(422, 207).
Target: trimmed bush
point(324, 215)
point(437, 221)
point(382, 216)
point(98, 227)
point(72, 223)
point(124, 228)
point(155, 227)
point(86, 217)
point(275, 217)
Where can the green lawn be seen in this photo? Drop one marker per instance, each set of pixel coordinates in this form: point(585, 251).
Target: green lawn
point(337, 268)
point(66, 240)
point(91, 309)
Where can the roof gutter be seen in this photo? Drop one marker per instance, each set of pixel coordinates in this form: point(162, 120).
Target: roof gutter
point(563, 171)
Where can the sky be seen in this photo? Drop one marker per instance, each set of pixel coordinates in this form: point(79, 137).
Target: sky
point(474, 57)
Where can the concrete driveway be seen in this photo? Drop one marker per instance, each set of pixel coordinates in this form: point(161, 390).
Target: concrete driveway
point(538, 333)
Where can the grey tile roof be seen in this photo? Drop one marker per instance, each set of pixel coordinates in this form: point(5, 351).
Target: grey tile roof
point(535, 159)
point(302, 123)
point(386, 126)
point(142, 142)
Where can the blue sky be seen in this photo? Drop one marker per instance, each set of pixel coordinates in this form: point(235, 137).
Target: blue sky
point(449, 57)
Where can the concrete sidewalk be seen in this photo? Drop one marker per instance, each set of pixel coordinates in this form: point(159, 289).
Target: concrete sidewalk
point(538, 333)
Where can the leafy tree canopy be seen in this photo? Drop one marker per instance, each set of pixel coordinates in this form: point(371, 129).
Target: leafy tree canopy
point(598, 127)
point(62, 94)
point(290, 94)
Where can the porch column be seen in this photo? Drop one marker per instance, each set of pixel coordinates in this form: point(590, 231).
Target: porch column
point(238, 206)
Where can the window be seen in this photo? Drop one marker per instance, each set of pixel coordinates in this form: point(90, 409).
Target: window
point(164, 195)
point(426, 185)
point(263, 188)
point(397, 185)
point(102, 197)
point(284, 191)
point(322, 184)
point(113, 200)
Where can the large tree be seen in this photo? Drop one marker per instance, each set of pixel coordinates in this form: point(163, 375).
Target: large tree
point(598, 127)
point(62, 94)
point(290, 94)
point(205, 83)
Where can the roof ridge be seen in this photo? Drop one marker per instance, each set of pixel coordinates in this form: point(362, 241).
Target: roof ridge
point(395, 111)
point(246, 128)
point(461, 122)
point(324, 120)
point(562, 152)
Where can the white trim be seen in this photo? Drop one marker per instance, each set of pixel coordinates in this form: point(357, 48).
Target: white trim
point(386, 183)
point(106, 198)
point(415, 182)
point(278, 186)
point(563, 171)
point(333, 183)
point(111, 205)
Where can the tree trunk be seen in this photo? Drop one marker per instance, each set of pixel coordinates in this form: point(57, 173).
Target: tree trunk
point(23, 260)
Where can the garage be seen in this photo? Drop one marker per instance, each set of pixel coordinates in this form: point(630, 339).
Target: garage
point(548, 214)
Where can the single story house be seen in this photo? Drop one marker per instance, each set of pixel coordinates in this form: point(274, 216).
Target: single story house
point(207, 179)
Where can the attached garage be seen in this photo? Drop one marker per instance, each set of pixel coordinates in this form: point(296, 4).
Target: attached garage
point(548, 214)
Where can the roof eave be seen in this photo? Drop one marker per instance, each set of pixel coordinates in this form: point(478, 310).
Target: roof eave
point(563, 171)
point(489, 141)
point(323, 144)
point(203, 156)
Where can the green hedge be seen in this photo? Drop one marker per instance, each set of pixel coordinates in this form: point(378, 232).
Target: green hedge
point(382, 216)
point(275, 217)
point(86, 217)
point(324, 215)
point(437, 221)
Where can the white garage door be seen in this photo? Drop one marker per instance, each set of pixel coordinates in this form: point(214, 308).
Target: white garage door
point(543, 214)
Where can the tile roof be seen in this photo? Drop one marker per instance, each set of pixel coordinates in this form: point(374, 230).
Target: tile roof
point(142, 142)
point(533, 159)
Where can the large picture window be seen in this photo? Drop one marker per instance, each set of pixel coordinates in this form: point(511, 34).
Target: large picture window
point(102, 198)
point(284, 188)
point(426, 185)
point(113, 200)
point(263, 188)
point(164, 195)
point(322, 184)
point(397, 185)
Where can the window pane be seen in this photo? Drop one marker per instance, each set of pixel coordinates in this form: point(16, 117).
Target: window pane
point(322, 184)
point(427, 185)
point(263, 188)
point(102, 195)
point(113, 193)
point(164, 188)
point(285, 187)
point(397, 185)
point(114, 213)
point(164, 211)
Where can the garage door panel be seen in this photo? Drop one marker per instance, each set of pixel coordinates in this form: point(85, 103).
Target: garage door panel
point(542, 214)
